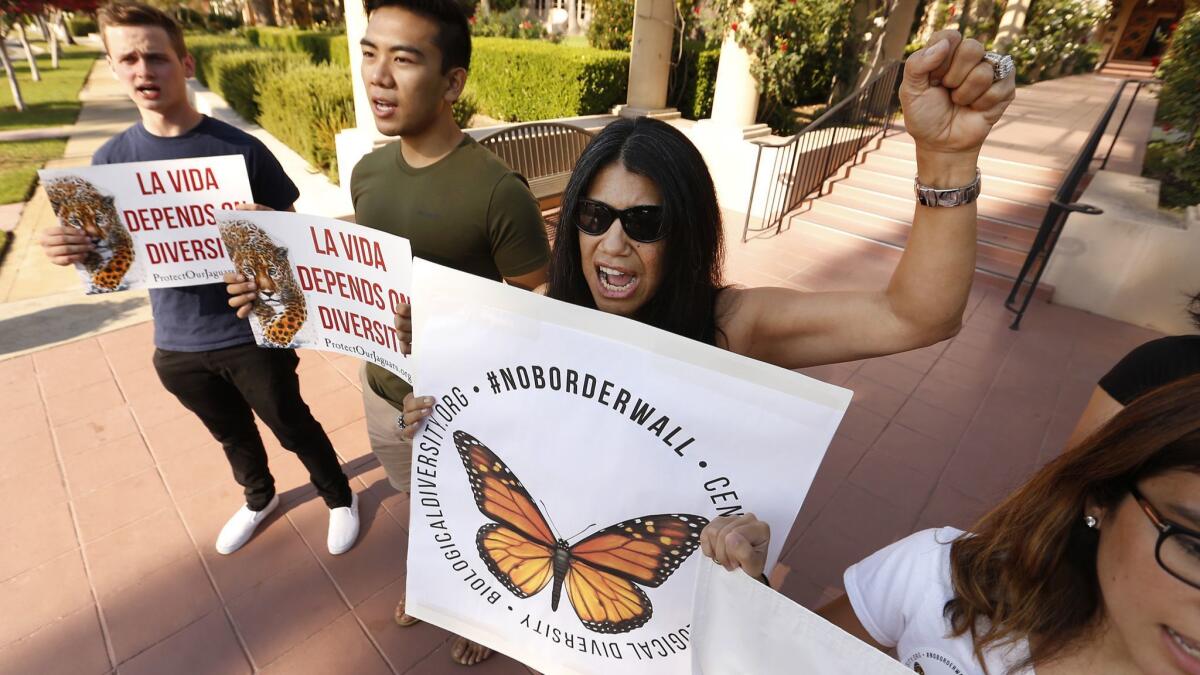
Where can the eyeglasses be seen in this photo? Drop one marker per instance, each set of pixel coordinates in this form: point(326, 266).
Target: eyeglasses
point(641, 223)
point(1178, 548)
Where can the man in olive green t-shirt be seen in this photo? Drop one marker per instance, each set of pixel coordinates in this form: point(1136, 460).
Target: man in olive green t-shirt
point(457, 203)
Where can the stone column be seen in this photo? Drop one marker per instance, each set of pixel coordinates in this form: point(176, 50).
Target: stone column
point(650, 60)
point(735, 100)
point(1012, 23)
point(353, 143)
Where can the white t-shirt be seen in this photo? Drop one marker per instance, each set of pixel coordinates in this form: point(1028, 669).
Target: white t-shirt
point(899, 594)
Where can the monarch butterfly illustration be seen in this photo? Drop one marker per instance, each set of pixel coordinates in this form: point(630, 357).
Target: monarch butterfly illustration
point(602, 572)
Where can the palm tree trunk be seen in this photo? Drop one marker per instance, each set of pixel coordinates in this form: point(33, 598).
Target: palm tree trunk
point(33, 67)
point(18, 100)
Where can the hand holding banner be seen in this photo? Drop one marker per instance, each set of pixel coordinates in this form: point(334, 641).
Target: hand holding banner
point(322, 283)
point(152, 223)
point(742, 627)
point(561, 483)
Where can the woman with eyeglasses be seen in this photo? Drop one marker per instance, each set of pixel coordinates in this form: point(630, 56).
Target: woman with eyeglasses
point(1092, 567)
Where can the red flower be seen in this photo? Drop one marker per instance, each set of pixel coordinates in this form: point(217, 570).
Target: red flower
point(1156, 61)
point(471, 20)
point(783, 46)
point(952, 10)
point(733, 26)
point(696, 10)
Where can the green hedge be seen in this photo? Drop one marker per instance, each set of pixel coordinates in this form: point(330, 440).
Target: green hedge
point(339, 51)
point(696, 74)
point(523, 80)
point(312, 42)
point(305, 108)
point(204, 47)
point(237, 76)
point(82, 26)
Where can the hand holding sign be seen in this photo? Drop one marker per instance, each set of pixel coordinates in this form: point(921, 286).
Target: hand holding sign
point(949, 97)
point(404, 327)
point(416, 409)
point(65, 246)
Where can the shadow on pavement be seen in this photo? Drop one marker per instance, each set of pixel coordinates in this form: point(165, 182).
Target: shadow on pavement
point(64, 322)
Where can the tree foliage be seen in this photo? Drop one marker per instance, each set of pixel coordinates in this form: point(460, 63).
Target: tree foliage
point(798, 47)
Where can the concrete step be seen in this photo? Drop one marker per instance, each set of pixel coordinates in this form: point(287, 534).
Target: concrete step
point(999, 260)
point(869, 185)
point(887, 168)
point(1014, 189)
point(864, 185)
point(1028, 172)
point(998, 150)
point(991, 231)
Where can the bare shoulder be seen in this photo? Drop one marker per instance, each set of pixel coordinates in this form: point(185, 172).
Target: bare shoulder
point(730, 316)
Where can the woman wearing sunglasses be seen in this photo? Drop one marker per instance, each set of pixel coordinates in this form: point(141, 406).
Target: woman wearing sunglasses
point(1092, 567)
point(641, 233)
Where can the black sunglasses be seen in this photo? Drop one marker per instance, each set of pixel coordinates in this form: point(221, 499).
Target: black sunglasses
point(641, 223)
point(1178, 548)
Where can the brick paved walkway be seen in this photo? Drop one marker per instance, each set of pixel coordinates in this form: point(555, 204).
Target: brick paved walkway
point(114, 494)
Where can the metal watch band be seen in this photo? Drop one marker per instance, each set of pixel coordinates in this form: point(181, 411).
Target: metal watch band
point(946, 197)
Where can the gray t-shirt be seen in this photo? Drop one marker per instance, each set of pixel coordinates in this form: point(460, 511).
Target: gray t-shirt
point(198, 318)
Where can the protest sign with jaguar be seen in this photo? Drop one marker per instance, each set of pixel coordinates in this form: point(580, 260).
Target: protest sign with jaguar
point(153, 224)
point(321, 283)
point(573, 457)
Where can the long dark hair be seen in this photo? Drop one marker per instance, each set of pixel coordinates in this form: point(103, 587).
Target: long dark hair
point(691, 277)
point(1029, 568)
point(1194, 309)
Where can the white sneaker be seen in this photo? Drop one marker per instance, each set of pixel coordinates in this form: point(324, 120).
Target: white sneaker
point(241, 527)
point(343, 527)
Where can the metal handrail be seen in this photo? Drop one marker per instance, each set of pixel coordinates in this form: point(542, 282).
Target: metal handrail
point(1063, 203)
point(804, 163)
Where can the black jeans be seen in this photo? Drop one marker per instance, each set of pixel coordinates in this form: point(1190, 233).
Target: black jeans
point(225, 387)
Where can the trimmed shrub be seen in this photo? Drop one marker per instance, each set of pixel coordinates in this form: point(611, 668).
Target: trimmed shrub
point(694, 81)
point(237, 76)
point(612, 24)
point(311, 42)
point(513, 23)
point(339, 51)
point(305, 108)
point(464, 109)
point(526, 80)
point(204, 47)
point(82, 26)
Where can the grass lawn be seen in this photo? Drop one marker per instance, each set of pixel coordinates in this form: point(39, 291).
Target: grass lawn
point(54, 100)
point(19, 162)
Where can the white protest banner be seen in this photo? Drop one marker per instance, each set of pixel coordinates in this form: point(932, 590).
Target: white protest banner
point(322, 283)
point(153, 223)
point(742, 627)
point(561, 483)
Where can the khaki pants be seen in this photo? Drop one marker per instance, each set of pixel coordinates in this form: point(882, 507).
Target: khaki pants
point(394, 453)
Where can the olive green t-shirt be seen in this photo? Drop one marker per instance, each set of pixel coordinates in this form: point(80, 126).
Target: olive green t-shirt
point(468, 211)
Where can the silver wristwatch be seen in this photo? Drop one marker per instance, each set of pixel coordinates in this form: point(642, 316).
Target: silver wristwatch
point(930, 196)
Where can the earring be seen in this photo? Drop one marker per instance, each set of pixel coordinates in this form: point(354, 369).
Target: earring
point(1091, 522)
